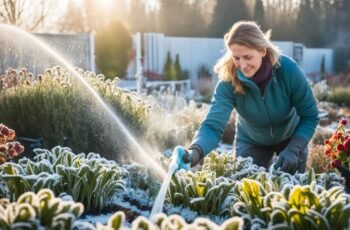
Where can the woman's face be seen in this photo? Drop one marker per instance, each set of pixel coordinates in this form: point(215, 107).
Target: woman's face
point(246, 59)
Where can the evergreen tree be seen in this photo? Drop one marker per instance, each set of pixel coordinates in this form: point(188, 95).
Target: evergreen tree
point(168, 70)
point(177, 68)
point(113, 47)
point(227, 12)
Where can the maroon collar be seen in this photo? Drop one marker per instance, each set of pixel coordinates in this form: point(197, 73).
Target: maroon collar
point(262, 77)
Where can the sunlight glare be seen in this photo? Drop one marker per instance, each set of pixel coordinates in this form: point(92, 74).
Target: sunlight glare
point(78, 2)
point(153, 4)
point(105, 4)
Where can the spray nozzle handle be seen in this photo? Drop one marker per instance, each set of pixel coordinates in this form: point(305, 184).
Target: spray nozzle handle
point(182, 158)
point(186, 157)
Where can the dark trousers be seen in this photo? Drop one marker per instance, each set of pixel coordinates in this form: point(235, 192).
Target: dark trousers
point(262, 155)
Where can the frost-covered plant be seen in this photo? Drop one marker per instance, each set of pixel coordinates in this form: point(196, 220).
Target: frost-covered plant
point(226, 164)
point(90, 179)
point(249, 196)
point(19, 180)
point(39, 211)
point(295, 207)
point(275, 180)
point(320, 135)
point(141, 178)
point(321, 90)
point(218, 163)
point(115, 222)
point(8, 148)
point(316, 159)
point(230, 166)
point(56, 106)
point(161, 221)
point(272, 180)
point(172, 120)
point(200, 191)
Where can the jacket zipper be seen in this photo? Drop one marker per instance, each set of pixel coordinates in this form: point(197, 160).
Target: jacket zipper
point(268, 116)
point(271, 130)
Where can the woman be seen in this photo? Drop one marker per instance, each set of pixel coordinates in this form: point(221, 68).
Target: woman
point(277, 112)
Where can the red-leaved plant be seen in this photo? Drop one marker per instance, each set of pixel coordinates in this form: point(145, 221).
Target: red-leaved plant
point(338, 147)
point(8, 148)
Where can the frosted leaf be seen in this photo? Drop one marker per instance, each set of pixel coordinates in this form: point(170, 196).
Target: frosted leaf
point(197, 200)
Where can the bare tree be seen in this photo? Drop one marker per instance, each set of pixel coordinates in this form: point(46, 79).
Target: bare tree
point(89, 15)
point(26, 14)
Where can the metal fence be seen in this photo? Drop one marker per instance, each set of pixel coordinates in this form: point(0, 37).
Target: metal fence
point(22, 51)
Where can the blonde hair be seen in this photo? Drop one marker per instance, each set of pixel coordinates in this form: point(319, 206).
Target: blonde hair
point(249, 34)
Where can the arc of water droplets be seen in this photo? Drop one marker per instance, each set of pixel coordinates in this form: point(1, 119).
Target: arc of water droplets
point(141, 153)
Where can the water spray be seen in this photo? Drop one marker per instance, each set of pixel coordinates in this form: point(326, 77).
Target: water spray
point(44, 46)
point(173, 167)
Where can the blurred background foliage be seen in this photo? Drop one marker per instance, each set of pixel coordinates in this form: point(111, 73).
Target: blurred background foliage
point(315, 23)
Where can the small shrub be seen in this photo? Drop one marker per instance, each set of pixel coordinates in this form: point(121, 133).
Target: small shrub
point(316, 159)
point(340, 96)
point(320, 135)
point(172, 70)
point(321, 90)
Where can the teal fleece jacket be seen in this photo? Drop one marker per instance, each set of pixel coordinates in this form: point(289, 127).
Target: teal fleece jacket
point(286, 109)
